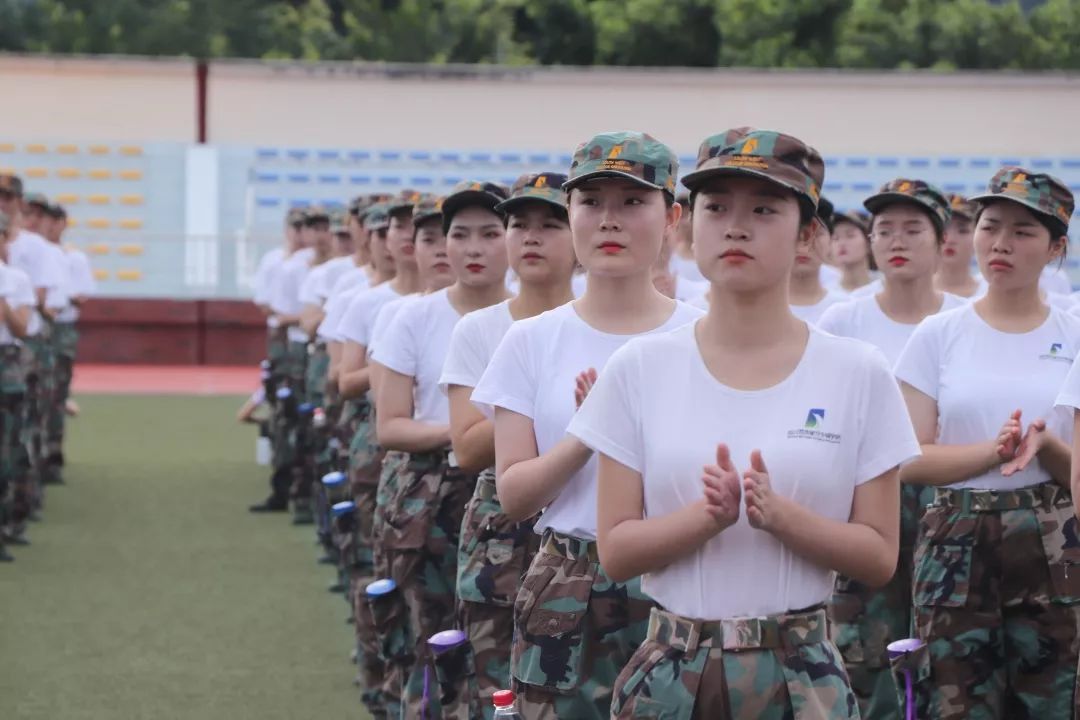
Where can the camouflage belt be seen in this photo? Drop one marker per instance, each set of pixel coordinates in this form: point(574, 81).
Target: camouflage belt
point(1044, 495)
point(752, 633)
point(485, 486)
point(431, 457)
point(569, 547)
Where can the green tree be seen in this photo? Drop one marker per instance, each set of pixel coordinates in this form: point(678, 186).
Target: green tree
point(654, 32)
point(778, 33)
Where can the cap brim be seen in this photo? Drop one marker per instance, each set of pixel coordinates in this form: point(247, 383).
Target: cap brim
point(876, 203)
point(991, 197)
point(693, 181)
point(469, 198)
point(508, 205)
point(608, 175)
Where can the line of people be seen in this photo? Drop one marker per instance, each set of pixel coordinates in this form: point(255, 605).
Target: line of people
point(42, 286)
point(636, 453)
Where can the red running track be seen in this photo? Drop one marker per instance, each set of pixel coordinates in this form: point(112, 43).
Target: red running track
point(164, 380)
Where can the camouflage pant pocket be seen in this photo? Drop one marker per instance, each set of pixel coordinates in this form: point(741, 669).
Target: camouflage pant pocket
point(658, 683)
point(549, 623)
point(1058, 528)
point(846, 609)
point(942, 575)
point(489, 562)
point(411, 512)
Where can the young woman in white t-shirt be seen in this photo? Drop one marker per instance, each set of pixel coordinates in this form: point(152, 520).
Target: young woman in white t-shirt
point(426, 497)
point(575, 627)
point(907, 227)
point(493, 550)
point(994, 599)
point(744, 459)
point(850, 250)
point(807, 294)
point(954, 273)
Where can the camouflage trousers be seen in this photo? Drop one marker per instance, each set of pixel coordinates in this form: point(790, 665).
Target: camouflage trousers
point(16, 488)
point(65, 340)
point(778, 667)
point(492, 556)
point(40, 388)
point(420, 531)
point(288, 427)
point(574, 630)
point(863, 621)
point(386, 619)
point(996, 606)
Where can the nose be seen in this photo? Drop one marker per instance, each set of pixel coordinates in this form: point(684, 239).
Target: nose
point(736, 233)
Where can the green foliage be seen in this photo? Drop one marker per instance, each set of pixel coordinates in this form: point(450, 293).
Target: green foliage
point(887, 34)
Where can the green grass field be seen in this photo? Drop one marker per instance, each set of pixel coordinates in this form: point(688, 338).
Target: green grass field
point(151, 592)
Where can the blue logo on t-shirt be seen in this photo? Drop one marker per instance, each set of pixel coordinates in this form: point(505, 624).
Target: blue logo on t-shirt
point(1055, 348)
point(1057, 352)
point(814, 417)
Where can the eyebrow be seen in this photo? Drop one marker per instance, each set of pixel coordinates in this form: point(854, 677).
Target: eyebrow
point(485, 226)
point(770, 194)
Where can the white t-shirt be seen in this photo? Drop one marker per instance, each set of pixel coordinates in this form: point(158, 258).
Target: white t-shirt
point(472, 344)
point(836, 422)
point(871, 288)
point(686, 268)
point(687, 290)
point(352, 276)
point(578, 283)
point(80, 282)
point(812, 313)
point(979, 376)
point(831, 277)
point(1055, 280)
point(863, 319)
point(58, 297)
point(533, 373)
point(18, 291)
point(335, 310)
point(35, 256)
point(384, 319)
point(285, 295)
point(358, 321)
point(416, 345)
point(263, 280)
point(320, 282)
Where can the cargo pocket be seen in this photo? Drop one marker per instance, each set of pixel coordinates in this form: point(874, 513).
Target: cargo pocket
point(942, 575)
point(549, 623)
point(847, 607)
point(487, 571)
point(658, 683)
point(1058, 530)
point(411, 511)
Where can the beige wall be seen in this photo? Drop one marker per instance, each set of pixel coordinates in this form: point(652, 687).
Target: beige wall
point(358, 105)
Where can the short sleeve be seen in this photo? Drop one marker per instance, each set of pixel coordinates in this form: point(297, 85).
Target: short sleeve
point(261, 282)
point(353, 323)
point(465, 361)
point(886, 436)
point(835, 320)
point(84, 275)
point(398, 349)
point(919, 364)
point(609, 421)
point(1070, 391)
point(309, 289)
point(510, 379)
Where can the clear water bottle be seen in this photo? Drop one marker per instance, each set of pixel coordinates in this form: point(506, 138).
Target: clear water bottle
point(506, 705)
point(318, 418)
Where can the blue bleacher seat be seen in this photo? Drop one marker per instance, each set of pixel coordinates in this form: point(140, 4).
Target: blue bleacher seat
point(298, 178)
point(832, 162)
point(919, 162)
point(420, 156)
point(267, 177)
point(451, 180)
point(389, 180)
point(1071, 163)
point(298, 154)
point(421, 181)
point(1042, 163)
point(565, 161)
point(949, 162)
point(449, 157)
point(888, 162)
point(954, 187)
point(539, 159)
point(329, 155)
point(359, 155)
point(266, 153)
point(859, 162)
point(299, 202)
point(389, 155)
point(510, 158)
point(360, 179)
point(1010, 161)
point(831, 187)
point(267, 202)
point(330, 179)
point(862, 187)
point(979, 163)
point(480, 157)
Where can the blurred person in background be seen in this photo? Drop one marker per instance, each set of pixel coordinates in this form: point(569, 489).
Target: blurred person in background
point(851, 251)
point(955, 274)
point(808, 294)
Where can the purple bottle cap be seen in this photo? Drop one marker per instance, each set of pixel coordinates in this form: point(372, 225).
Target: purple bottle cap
point(380, 587)
point(447, 640)
point(903, 647)
point(343, 508)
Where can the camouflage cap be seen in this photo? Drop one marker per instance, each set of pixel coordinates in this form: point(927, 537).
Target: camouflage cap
point(339, 222)
point(316, 214)
point(295, 217)
point(5, 223)
point(377, 217)
point(825, 213)
point(471, 193)
point(631, 155)
point(1041, 193)
point(766, 154)
point(404, 200)
point(962, 207)
point(362, 203)
point(428, 208)
point(544, 187)
point(37, 199)
point(859, 219)
point(11, 184)
point(56, 211)
point(919, 192)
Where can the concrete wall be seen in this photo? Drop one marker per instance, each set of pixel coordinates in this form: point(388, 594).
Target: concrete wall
point(372, 105)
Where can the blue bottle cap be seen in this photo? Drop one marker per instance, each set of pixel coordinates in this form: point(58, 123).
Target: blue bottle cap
point(305, 408)
point(283, 393)
point(343, 508)
point(380, 588)
point(265, 364)
point(333, 479)
point(903, 647)
point(447, 640)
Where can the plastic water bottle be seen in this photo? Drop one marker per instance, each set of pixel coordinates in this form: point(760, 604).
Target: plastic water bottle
point(506, 705)
point(318, 418)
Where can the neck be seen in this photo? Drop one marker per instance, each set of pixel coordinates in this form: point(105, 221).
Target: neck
point(955, 274)
point(379, 276)
point(805, 289)
point(535, 299)
point(320, 257)
point(1015, 303)
point(748, 320)
point(853, 277)
point(465, 299)
point(407, 280)
point(910, 297)
point(361, 258)
point(626, 296)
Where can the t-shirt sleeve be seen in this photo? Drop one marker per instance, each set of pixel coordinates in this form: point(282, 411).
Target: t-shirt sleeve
point(85, 276)
point(1070, 391)
point(465, 361)
point(609, 421)
point(887, 437)
point(398, 349)
point(510, 379)
point(352, 326)
point(834, 320)
point(919, 364)
point(309, 289)
point(261, 282)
